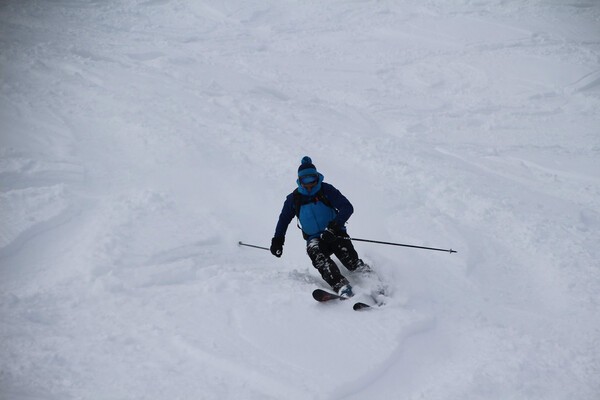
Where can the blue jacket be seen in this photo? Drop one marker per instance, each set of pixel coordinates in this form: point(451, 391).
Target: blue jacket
point(314, 215)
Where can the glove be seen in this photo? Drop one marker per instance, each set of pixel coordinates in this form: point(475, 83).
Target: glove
point(277, 246)
point(330, 235)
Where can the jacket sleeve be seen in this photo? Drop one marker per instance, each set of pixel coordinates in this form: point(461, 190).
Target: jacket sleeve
point(340, 203)
point(286, 216)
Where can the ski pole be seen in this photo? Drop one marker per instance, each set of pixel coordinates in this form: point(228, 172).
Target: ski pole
point(251, 245)
point(404, 245)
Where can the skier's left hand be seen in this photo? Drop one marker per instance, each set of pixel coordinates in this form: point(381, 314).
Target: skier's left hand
point(330, 235)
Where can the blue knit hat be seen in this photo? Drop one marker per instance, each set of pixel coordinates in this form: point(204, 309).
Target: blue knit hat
point(306, 167)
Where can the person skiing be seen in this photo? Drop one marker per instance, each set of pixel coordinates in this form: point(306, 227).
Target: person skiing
point(322, 212)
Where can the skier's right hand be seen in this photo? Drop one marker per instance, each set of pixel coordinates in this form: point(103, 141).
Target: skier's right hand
point(277, 246)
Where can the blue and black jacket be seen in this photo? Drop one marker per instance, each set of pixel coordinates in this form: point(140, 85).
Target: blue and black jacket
point(314, 209)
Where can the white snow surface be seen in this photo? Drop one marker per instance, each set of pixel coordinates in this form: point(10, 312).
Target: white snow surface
point(141, 140)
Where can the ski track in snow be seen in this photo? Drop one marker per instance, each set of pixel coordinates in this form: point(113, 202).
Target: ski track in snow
point(141, 140)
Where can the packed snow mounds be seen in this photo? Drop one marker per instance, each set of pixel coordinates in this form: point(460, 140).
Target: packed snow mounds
point(140, 140)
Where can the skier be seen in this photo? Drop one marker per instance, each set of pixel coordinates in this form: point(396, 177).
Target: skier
point(322, 212)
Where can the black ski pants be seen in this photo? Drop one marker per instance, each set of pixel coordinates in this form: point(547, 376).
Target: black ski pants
point(320, 253)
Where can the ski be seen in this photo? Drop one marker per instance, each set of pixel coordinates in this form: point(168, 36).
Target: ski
point(321, 295)
point(360, 306)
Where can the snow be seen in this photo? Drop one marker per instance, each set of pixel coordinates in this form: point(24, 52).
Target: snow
point(141, 140)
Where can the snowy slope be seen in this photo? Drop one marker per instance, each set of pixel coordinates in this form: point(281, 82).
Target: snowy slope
point(141, 140)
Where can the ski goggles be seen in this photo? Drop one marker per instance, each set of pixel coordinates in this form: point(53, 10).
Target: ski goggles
point(308, 179)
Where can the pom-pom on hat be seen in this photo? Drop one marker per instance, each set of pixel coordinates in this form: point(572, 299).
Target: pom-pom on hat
point(306, 167)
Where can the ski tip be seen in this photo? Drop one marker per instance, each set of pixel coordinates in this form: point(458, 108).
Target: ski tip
point(360, 306)
point(323, 295)
point(316, 294)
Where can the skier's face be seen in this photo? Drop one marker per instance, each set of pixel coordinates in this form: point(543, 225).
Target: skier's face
point(309, 186)
point(309, 181)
